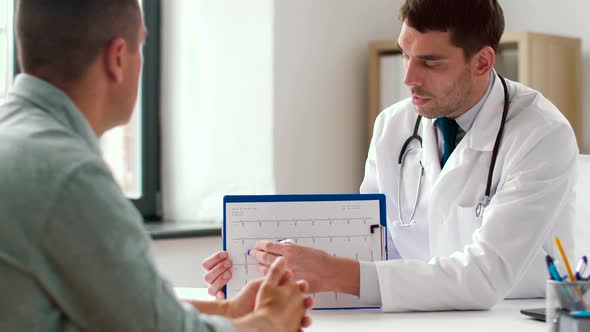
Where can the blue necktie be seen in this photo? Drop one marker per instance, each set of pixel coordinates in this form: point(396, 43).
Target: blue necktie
point(448, 127)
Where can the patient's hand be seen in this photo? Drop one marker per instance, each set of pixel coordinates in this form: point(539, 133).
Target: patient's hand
point(283, 300)
point(218, 273)
point(243, 303)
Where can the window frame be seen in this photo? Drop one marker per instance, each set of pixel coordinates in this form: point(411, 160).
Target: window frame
point(150, 202)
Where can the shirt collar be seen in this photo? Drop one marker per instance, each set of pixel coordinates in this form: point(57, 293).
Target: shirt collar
point(55, 103)
point(465, 120)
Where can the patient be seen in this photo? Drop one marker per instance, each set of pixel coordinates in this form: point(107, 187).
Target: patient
point(74, 255)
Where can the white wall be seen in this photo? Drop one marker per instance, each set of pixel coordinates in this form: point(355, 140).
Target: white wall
point(320, 104)
point(567, 18)
point(179, 260)
point(264, 97)
point(216, 103)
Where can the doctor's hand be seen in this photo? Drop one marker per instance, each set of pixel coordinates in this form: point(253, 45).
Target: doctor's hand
point(323, 271)
point(218, 273)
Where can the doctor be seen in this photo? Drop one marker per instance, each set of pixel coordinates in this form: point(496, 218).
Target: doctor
point(478, 172)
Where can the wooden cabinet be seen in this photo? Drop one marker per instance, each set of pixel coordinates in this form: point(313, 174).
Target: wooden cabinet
point(547, 63)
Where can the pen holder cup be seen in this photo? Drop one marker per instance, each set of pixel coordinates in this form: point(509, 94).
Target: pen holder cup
point(563, 298)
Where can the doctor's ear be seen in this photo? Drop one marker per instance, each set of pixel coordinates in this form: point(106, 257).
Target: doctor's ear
point(484, 60)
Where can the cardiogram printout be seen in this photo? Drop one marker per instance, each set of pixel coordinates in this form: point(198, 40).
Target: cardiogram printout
point(347, 225)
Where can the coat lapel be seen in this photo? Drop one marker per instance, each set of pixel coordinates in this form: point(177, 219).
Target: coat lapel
point(481, 137)
point(430, 157)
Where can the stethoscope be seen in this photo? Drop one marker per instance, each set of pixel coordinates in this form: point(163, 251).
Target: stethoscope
point(415, 136)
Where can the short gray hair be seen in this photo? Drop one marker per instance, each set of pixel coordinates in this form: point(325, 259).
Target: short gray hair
point(61, 38)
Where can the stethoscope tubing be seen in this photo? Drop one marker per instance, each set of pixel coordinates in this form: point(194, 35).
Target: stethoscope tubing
point(497, 143)
point(415, 136)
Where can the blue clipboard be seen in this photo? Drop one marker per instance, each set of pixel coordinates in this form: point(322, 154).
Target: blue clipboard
point(380, 198)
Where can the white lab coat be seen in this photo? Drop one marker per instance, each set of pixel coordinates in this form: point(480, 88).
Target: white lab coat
point(451, 258)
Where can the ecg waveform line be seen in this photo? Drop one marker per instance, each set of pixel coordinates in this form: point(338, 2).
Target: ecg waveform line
point(318, 237)
point(295, 221)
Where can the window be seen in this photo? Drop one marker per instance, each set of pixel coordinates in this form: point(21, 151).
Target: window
point(6, 47)
point(122, 150)
point(133, 151)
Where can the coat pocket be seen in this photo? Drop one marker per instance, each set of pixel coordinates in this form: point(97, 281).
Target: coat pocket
point(467, 223)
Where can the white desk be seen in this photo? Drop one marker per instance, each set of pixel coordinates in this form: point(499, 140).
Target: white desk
point(505, 317)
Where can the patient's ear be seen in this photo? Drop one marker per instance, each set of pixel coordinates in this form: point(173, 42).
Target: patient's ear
point(115, 59)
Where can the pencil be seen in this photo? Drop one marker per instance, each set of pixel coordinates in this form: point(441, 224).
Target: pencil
point(567, 263)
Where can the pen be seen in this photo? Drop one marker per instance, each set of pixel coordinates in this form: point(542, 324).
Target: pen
point(553, 272)
point(567, 263)
point(581, 268)
point(580, 314)
point(279, 240)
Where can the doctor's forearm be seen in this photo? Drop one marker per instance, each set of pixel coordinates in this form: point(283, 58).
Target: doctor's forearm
point(344, 276)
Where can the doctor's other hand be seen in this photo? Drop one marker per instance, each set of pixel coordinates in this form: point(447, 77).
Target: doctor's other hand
point(218, 273)
point(323, 271)
point(282, 300)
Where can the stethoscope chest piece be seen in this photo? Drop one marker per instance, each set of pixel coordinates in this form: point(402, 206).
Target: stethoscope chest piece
point(481, 206)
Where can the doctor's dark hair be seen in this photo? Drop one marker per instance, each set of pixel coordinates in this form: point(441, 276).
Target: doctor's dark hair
point(59, 39)
point(472, 24)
